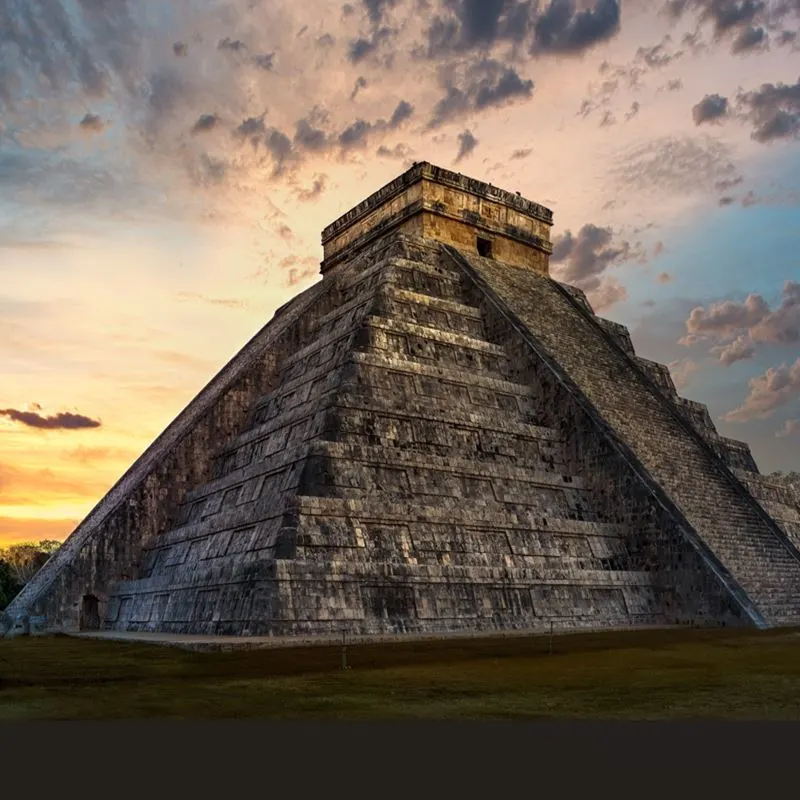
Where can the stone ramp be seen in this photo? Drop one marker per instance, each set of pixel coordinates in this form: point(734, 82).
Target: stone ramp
point(747, 550)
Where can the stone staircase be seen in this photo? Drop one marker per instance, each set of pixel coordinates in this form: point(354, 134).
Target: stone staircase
point(733, 528)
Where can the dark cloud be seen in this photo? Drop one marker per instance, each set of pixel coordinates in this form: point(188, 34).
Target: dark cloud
point(376, 9)
point(355, 135)
point(518, 154)
point(63, 421)
point(205, 123)
point(607, 120)
point(726, 201)
point(558, 28)
point(265, 61)
point(280, 146)
point(773, 109)
point(362, 47)
point(231, 45)
point(749, 39)
point(253, 129)
point(564, 29)
point(309, 137)
point(252, 126)
point(466, 144)
point(479, 24)
point(92, 123)
point(488, 83)
point(712, 108)
point(360, 84)
point(728, 14)
point(402, 112)
point(180, 49)
point(583, 260)
point(359, 49)
point(674, 85)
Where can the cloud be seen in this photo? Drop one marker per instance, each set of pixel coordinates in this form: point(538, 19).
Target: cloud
point(584, 257)
point(265, 61)
point(728, 320)
point(658, 55)
point(402, 112)
point(309, 137)
point(582, 260)
point(316, 189)
point(205, 123)
point(775, 388)
point(559, 27)
point(64, 420)
point(376, 9)
point(92, 123)
point(740, 349)
point(774, 110)
point(360, 84)
point(231, 45)
point(564, 29)
point(519, 154)
point(400, 151)
point(664, 277)
point(749, 39)
point(712, 108)
point(486, 84)
point(608, 293)
point(633, 111)
point(680, 165)
point(466, 144)
point(790, 428)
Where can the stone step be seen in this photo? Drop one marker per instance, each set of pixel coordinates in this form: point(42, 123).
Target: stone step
point(430, 345)
point(298, 570)
point(465, 512)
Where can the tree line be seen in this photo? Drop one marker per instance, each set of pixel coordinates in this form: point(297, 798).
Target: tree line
point(19, 563)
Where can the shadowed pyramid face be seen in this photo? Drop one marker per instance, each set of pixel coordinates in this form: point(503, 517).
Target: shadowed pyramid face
point(443, 206)
point(435, 437)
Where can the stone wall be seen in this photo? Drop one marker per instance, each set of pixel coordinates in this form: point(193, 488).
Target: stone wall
point(444, 206)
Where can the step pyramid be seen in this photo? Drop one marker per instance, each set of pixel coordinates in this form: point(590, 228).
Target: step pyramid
point(436, 437)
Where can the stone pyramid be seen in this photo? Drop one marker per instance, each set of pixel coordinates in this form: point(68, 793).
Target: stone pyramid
point(436, 437)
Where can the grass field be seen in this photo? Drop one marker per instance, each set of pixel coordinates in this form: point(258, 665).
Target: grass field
point(659, 674)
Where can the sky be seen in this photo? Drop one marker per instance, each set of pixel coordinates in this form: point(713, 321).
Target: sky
point(166, 169)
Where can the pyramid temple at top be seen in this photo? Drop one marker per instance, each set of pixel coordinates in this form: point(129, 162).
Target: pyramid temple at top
point(435, 437)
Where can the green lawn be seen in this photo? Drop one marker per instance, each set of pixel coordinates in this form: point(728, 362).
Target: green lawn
point(658, 674)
